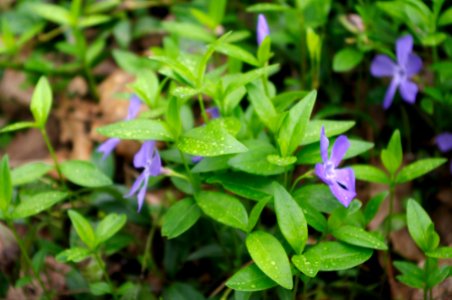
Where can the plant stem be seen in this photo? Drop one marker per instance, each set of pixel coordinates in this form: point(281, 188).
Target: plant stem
point(52, 153)
point(295, 289)
point(391, 209)
point(265, 81)
point(203, 109)
point(226, 294)
point(187, 169)
point(147, 250)
point(24, 252)
point(105, 273)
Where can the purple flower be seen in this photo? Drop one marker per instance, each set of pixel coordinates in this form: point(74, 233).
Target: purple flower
point(262, 29)
point(408, 64)
point(148, 158)
point(109, 145)
point(444, 141)
point(340, 181)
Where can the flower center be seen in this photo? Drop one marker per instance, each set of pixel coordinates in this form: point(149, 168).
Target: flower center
point(400, 72)
point(330, 171)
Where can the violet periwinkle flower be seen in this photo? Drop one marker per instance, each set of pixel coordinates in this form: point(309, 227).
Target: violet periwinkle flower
point(444, 142)
point(148, 158)
point(109, 145)
point(262, 29)
point(407, 65)
point(340, 181)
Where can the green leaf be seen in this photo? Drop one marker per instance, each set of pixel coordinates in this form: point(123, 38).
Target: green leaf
point(437, 275)
point(83, 229)
point(53, 13)
point(294, 125)
point(332, 128)
point(373, 206)
point(100, 288)
point(346, 59)
point(291, 220)
point(211, 164)
point(245, 185)
point(138, 129)
point(217, 10)
point(109, 226)
point(17, 126)
point(250, 279)
point(241, 80)
point(263, 106)
point(6, 187)
point(256, 213)
point(131, 62)
point(393, 160)
point(335, 256)
point(281, 161)
point(29, 172)
point(254, 161)
point(267, 7)
point(269, 255)
point(309, 267)
point(314, 218)
point(446, 17)
point(41, 101)
point(37, 203)
point(359, 237)
point(189, 31)
point(421, 227)
point(180, 217)
point(441, 252)
point(84, 173)
point(73, 254)
point(317, 196)
point(223, 208)
point(311, 153)
point(237, 52)
point(93, 20)
point(418, 169)
point(210, 140)
point(370, 174)
point(412, 275)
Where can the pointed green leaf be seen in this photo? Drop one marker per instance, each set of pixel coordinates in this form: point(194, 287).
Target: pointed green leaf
point(256, 213)
point(6, 187)
point(332, 128)
point(418, 169)
point(370, 174)
point(292, 130)
point(291, 220)
point(346, 59)
point(441, 252)
point(359, 237)
point(52, 12)
point(237, 52)
point(84, 173)
point(421, 227)
point(83, 229)
point(250, 279)
point(269, 255)
point(41, 101)
point(138, 129)
point(335, 256)
point(210, 140)
point(73, 254)
point(17, 126)
point(263, 106)
point(224, 209)
point(109, 226)
point(37, 203)
point(29, 172)
point(180, 217)
point(373, 206)
point(309, 267)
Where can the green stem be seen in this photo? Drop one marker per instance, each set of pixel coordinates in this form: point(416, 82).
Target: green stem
point(307, 174)
point(265, 81)
point(203, 109)
point(147, 256)
point(391, 209)
point(52, 153)
point(28, 262)
point(295, 289)
point(187, 169)
point(105, 273)
point(226, 294)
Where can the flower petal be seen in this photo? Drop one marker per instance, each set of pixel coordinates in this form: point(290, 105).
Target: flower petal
point(340, 147)
point(382, 66)
point(214, 112)
point(444, 141)
point(404, 46)
point(344, 187)
point(144, 154)
point(134, 107)
point(155, 167)
point(136, 185)
point(324, 143)
point(408, 91)
point(107, 147)
point(413, 65)
point(320, 172)
point(390, 92)
point(262, 29)
point(142, 193)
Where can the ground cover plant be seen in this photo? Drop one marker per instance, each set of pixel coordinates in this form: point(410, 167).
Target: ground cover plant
point(225, 149)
